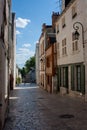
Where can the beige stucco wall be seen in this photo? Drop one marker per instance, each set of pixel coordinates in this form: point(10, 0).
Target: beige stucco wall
point(67, 33)
point(80, 55)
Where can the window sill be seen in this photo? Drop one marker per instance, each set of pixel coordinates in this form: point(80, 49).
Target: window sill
point(64, 55)
point(75, 52)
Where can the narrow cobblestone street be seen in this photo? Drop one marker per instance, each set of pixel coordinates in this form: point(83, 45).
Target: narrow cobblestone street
point(32, 108)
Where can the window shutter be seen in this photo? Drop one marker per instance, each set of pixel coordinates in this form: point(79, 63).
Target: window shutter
point(83, 79)
point(72, 78)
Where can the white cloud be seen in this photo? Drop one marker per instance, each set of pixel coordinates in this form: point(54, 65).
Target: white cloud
point(22, 23)
point(17, 32)
point(26, 45)
point(36, 42)
point(22, 55)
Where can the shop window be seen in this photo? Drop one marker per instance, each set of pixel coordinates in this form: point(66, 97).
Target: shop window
point(78, 78)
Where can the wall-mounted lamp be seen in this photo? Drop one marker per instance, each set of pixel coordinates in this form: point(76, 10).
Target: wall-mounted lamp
point(77, 34)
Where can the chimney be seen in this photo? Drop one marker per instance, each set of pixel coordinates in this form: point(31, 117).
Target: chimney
point(55, 15)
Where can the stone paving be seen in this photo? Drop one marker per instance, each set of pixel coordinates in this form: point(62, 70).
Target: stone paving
point(32, 108)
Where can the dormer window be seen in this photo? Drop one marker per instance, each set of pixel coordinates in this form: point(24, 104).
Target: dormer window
point(58, 28)
point(63, 22)
point(74, 11)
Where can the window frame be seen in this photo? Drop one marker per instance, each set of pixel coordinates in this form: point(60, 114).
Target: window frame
point(64, 47)
point(74, 43)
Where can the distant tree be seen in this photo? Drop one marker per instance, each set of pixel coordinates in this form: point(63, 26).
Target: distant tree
point(29, 63)
point(22, 71)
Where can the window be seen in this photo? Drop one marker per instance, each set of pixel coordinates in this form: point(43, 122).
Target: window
point(57, 28)
point(42, 47)
point(55, 55)
point(63, 22)
point(74, 11)
point(78, 78)
point(64, 51)
point(74, 43)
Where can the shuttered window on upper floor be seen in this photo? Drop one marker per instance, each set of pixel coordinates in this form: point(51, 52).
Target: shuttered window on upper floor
point(74, 43)
point(64, 47)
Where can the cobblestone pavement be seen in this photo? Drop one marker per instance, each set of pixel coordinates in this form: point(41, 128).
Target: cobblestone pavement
point(32, 108)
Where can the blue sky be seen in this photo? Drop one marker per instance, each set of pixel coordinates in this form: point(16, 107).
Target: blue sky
point(30, 15)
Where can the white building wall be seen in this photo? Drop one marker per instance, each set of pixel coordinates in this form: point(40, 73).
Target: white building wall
point(67, 33)
point(79, 56)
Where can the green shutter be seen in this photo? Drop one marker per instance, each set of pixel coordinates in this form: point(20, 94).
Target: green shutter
point(72, 78)
point(66, 77)
point(83, 79)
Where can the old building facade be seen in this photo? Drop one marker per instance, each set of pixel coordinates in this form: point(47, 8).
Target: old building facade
point(12, 50)
point(70, 51)
point(5, 43)
point(37, 63)
point(51, 63)
point(41, 60)
point(47, 56)
point(4, 14)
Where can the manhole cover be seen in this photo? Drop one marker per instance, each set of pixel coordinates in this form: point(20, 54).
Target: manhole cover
point(66, 116)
